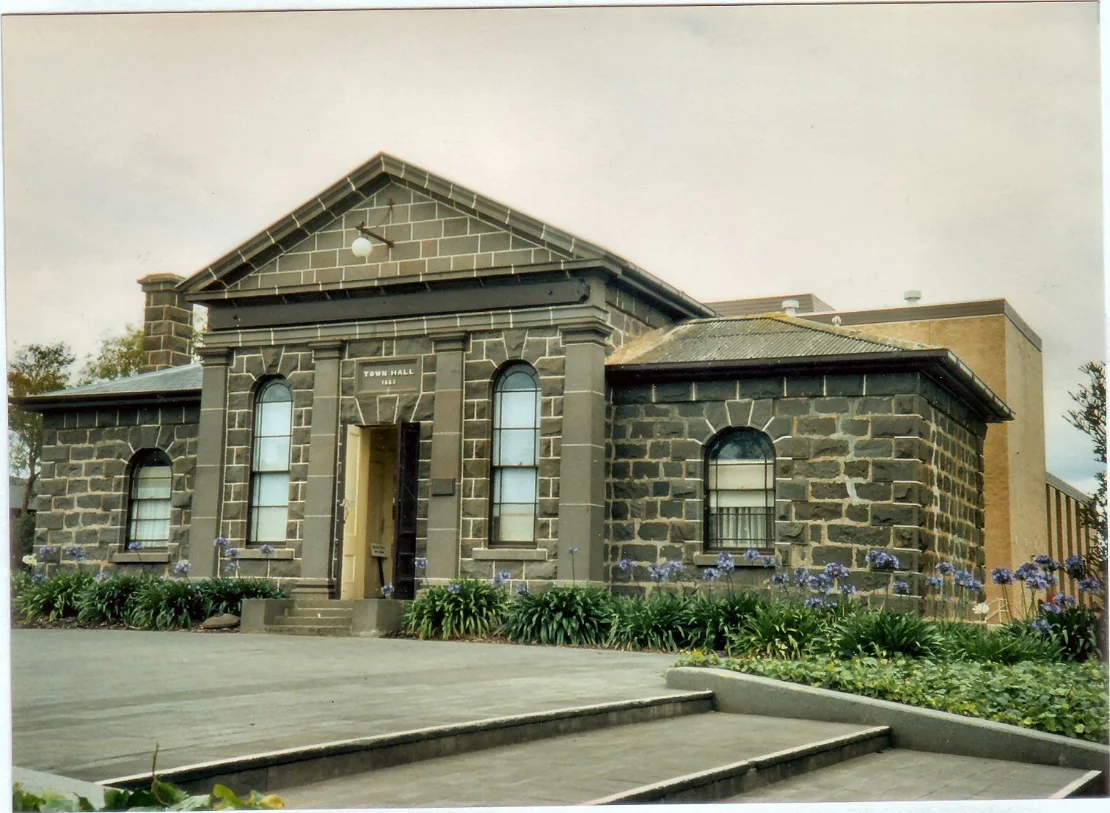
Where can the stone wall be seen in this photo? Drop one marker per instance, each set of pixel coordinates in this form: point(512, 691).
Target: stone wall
point(83, 485)
point(863, 462)
point(629, 316)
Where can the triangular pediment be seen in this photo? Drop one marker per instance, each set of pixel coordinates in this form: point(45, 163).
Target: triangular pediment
point(438, 228)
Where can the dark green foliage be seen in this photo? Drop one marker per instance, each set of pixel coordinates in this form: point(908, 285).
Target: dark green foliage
point(1059, 698)
point(1075, 631)
point(474, 609)
point(578, 615)
point(227, 595)
point(709, 618)
point(884, 634)
point(53, 598)
point(1010, 644)
point(657, 622)
point(163, 604)
point(780, 631)
point(106, 602)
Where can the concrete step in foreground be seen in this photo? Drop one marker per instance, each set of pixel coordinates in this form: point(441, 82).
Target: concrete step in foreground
point(314, 617)
point(898, 775)
point(622, 764)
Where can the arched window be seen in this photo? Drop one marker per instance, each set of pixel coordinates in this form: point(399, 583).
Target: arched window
point(148, 512)
point(516, 450)
point(273, 425)
point(740, 491)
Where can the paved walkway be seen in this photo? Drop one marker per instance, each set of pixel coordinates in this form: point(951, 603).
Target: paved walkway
point(91, 704)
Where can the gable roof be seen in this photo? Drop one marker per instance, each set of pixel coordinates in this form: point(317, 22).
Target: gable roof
point(350, 190)
point(172, 384)
point(734, 345)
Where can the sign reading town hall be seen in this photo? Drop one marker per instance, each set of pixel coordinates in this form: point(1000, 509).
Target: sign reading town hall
point(396, 375)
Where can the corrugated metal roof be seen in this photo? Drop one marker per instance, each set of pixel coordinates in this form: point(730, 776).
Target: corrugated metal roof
point(184, 378)
point(751, 338)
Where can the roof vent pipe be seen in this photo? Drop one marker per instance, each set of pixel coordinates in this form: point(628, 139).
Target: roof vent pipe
point(912, 297)
point(790, 306)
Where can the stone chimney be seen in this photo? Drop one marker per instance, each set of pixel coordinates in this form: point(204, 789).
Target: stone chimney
point(167, 324)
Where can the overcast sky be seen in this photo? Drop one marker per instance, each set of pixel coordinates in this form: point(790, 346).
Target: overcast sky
point(851, 151)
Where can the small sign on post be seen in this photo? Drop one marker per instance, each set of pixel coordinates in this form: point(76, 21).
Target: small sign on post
point(378, 549)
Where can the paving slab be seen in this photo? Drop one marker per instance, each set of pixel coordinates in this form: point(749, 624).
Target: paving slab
point(901, 775)
point(569, 770)
point(92, 704)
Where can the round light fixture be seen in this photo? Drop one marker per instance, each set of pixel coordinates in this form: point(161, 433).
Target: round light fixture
point(361, 247)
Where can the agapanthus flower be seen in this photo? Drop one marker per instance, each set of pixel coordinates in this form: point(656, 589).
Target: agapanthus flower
point(982, 608)
point(75, 552)
point(675, 568)
point(221, 542)
point(1089, 585)
point(901, 588)
point(815, 601)
point(233, 553)
point(847, 589)
point(725, 562)
point(711, 574)
point(625, 565)
point(573, 550)
point(751, 555)
point(801, 577)
point(835, 570)
point(1041, 625)
point(182, 567)
point(420, 563)
point(454, 588)
point(38, 577)
point(659, 573)
point(1002, 575)
point(387, 590)
point(135, 545)
point(1051, 607)
point(821, 583)
point(1047, 562)
point(1040, 581)
point(1025, 570)
point(881, 560)
point(770, 561)
point(780, 578)
point(963, 578)
point(522, 589)
point(1063, 600)
point(501, 578)
point(1075, 566)
point(945, 568)
point(265, 550)
point(935, 582)
point(231, 567)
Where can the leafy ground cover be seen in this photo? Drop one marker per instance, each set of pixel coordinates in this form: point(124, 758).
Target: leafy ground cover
point(1058, 698)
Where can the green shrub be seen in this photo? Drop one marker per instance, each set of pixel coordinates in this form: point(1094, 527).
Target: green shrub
point(20, 581)
point(780, 631)
point(709, 618)
point(579, 616)
point(464, 608)
point(1058, 698)
point(1013, 643)
point(226, 595)
point(55, 597)
point(107, 601)
point(1075, 631)
point(883, 634)
point(656, 622)
point(163, 604)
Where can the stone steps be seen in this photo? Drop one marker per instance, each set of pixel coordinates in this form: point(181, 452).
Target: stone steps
point(314, 617)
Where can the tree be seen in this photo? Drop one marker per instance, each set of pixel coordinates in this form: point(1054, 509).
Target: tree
point(37, 368)
point(1090, 417)
point(119, 357)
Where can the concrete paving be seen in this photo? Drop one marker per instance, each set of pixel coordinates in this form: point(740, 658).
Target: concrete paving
point(92, 704)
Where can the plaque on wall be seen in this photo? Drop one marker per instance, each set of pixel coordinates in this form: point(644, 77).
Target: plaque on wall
point(395, 375)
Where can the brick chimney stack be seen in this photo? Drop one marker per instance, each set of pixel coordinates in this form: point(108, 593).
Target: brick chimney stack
point(167, 324)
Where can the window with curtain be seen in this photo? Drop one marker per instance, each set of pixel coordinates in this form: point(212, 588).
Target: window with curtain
point(148, 521)
point(740, 491)
point(273, 426)
point(516, 448)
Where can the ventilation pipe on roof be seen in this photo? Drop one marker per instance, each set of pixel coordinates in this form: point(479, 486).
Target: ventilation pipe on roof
point(790, 306)
point(912, 297)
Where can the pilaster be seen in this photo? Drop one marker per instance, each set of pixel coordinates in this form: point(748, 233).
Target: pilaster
point(446, 463)
point(210, 462)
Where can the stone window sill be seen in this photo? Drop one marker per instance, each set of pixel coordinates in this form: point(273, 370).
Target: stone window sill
point(710, 559)
point(279, 554)
point(510, 554)
point(147, 557)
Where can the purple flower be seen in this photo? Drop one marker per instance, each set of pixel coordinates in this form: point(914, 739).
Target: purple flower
point(847, 589)
point(420, 563)
point(780, 578)
point(1041, 625)
point(711, 574)
point(814, 602)
point(182, 567)
point(522, 589)
point(945, 568)
point(935, 582)
point(625, 565)
point(1025, 570)
point(387, 590)
point(231, 567)
point(881, 560)
point(573, 550)
point(675, 568)
point(801, 577)
point(75, 552)
point(501, 578)
point(221, 542)
point(963, 578)
point(821, 583)
point(751, 555)
point(1075, 566)
point(1051, 607)
point(659, 573)
point(233, 553)
point(265, 550)
point(1089, 585)
point(38, 577)
point(1039, 581)
point(901, 588)
point(770, 561)
point(135, 546)
point(454, 588)
point(725, 562)
point(835, 570)
point(1002, 575)
point(1047, 562)
point(45, 552)
point(1064, 600)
